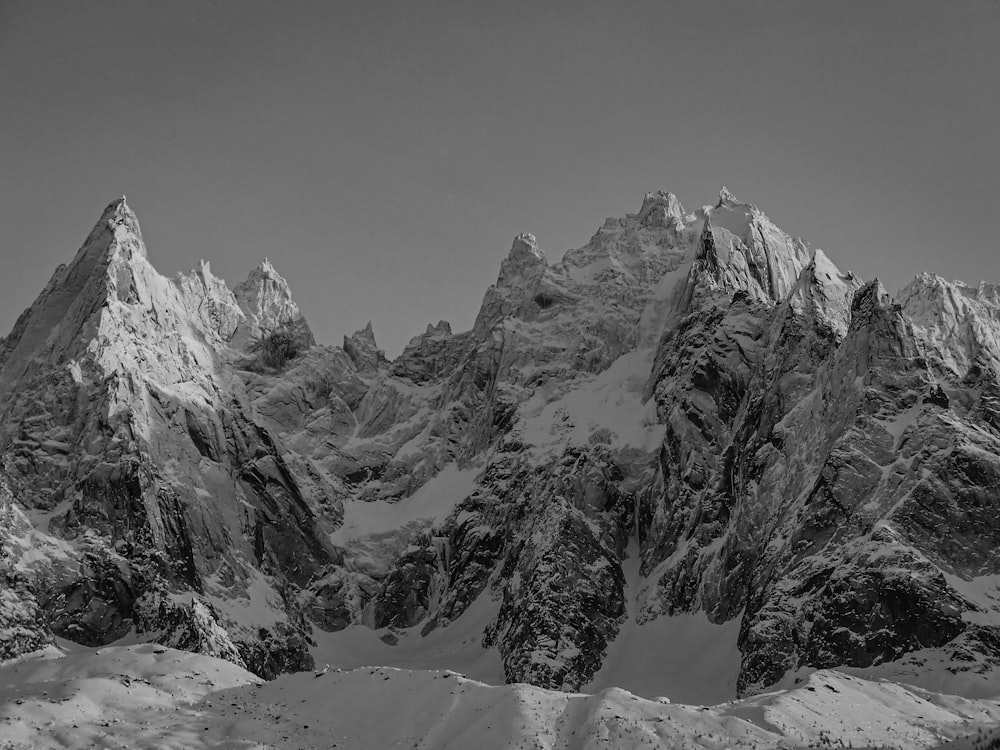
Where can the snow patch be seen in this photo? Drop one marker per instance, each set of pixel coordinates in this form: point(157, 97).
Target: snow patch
point(612, 402)
point(683, 657)
point(431, 503)
point(457, 646)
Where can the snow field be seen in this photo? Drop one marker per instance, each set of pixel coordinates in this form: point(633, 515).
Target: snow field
point(148, 696)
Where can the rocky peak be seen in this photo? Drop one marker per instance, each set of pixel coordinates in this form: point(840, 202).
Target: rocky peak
point(726, 198)
point(208, 298)
point(956, 321)
point(822, 290)
point(523, 259)
point(264, 287)
point(741, 249)
point(879, 332)
point(629, 255)
point(360, 346)
point(520, 274)
point(117, 217)
point(114, 398)
point(443, 328)
point(108, 267)
point(660, 209)
point(869, 300)
point(432, 354)
point(266, 300)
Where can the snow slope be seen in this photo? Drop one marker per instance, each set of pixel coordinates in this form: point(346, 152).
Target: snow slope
point(458, 647)
point(152, 697)
point(684, 658)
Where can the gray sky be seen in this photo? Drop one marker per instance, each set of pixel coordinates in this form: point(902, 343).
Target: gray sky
point(384, 155)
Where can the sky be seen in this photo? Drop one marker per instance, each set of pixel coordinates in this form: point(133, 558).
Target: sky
point(385, 155)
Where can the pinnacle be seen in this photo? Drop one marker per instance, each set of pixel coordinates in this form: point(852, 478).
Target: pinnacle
point(443, 328)
point(363, 334)
point(659, 207)
point(526, 239)
point(118, 203)
point(265, 272)
point(116, 214)
point(360, 346)
point(525, 247)
point(871, 296)
point(726, 197)
point(930, 279)
point(266, 268)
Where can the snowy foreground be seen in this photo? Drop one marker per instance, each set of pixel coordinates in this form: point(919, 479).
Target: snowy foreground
point(147, 696)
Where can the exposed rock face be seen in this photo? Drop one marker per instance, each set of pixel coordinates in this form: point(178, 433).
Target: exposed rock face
point(137, 450)
point(216, 307)
point(361, 348)
point(23, 627)
point(266, 302)
point(699, 396)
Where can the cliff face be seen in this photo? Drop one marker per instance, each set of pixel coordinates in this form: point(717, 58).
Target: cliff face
point(131, 444)
point(692, 416)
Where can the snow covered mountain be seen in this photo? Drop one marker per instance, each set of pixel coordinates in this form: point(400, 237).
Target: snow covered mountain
point(691, 458)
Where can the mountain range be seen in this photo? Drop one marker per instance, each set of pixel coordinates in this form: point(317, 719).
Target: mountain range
point(692, 460)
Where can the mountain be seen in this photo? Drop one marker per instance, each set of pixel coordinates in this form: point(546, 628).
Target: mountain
point(142, 495)
point(691, 458)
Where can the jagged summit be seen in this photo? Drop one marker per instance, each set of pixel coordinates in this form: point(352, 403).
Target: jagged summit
point(360, 346)
point(109, 267)
point(823, 291)
point(740, 248)
point(265, 272)
point(525, 249)
point(726, 198)
point(117, 216)
point(119, 404)
point(441, 328)
point(957, 321)
point(872, 295)
point(368, 332)
point(266, 269)
point(523, 266)
point(266, 300)
point(659, 208)
point(117, 208)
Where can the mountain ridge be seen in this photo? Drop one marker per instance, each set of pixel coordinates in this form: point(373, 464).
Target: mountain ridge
point(772, 439)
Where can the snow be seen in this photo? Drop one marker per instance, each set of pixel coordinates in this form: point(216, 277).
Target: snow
point(901, 422)
point(984, 592)
point(957, 322)
point(612, 401)
point(38, 549)
point(432, 502)
point(458, 646)
point(683, 657)
point(664, 305)
point(116, 697)
point(934, 670)
point(865, 713)
point(152, 697)
point(140, 695)
point(258, 606)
